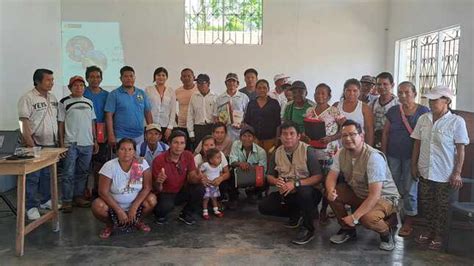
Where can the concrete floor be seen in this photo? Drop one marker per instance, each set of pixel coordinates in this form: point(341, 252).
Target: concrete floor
point(241, 237)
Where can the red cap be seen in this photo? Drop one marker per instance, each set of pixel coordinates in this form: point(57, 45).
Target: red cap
point(74, 79)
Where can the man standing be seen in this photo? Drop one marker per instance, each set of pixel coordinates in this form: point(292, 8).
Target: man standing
point(201, 106)
point(38, 111)
point(125, 109)
point(369, 188)
point(76, 131)
point(230, 106)
point(183, 97)
point(380, 106)
point(278, 94)
point(98, 96)
point(294, 170)
point(367, 84)
point(251, 77)
point(176, 180)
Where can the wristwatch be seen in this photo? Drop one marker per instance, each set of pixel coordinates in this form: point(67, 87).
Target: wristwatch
point(355, 221)
point(297, 183)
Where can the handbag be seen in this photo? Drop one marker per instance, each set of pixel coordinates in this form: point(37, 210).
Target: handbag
point(254, 177)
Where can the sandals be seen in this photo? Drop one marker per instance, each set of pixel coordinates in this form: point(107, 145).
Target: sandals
point(422, 239)
point(106, 232)
point(435, 245)
point(141, 226)
point(405, 231)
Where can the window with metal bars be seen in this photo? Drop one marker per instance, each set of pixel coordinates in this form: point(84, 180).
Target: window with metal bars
point(223, 22)
point(430, 59)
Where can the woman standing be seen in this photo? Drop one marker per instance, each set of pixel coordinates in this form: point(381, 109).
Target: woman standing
point(163, 101)
point(326, 147)
point(438, 156)
point(352, 108)
point(398, 146)
point(261, 116)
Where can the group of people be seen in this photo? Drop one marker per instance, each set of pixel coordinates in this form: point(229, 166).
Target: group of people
point(157, 148)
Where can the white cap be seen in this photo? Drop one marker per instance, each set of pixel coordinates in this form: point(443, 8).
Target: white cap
point(438, 92)
point(153, 126)
point(280, 76)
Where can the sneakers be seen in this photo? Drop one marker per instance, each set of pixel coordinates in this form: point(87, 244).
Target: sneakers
point(186, 218)
point(304, 237)
point(160, 220)
point(387, 243)
point(67, 207)
point(33, 214)
point(294, 222)
point(343, 235)
point(48, 206)
point(81, 202)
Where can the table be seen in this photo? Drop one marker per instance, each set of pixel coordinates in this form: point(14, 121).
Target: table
point(48, 158)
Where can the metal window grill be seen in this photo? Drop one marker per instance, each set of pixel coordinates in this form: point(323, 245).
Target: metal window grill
point(223, 22)
point(432, 59)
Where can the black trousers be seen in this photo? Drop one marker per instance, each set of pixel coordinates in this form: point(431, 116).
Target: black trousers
point(301, 203)
point(200, 131)
point(190, 194)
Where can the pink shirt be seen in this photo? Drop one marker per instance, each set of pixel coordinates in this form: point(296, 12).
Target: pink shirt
point(183, 97)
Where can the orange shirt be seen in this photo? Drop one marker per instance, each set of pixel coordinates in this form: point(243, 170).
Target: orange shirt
point(183, 97)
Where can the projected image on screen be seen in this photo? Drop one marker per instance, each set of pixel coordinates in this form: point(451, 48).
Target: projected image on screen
point(92, 43)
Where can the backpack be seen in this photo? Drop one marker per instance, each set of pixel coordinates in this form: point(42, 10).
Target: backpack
point(144, 144)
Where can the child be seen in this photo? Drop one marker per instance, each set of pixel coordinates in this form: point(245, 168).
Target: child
point(76, 132)
point(212, 169)
point(152, 146)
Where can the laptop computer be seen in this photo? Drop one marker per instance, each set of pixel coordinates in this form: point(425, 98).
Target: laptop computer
point(9, 141)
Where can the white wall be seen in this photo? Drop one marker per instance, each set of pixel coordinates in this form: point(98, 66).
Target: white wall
point(412, 17)
point(313, 40)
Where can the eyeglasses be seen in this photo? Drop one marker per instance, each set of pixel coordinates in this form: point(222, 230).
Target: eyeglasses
point(350, 135)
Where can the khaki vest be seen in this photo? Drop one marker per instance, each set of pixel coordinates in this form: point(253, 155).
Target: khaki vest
point(355, 173)
point(297, 168)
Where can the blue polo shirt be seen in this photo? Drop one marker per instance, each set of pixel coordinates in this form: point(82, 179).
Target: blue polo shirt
point(98, 100)
point(129, 112)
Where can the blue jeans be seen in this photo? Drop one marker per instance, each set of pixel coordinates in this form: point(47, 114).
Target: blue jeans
point(39, 181)
point(76, 170)
point(407, 186)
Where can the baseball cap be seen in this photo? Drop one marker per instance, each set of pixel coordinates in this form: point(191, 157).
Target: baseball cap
point(153, 126)
point(438, 92)
point(232, 76)
point(247, 128)
point(298, 85)
point(280, 76)
point(368, 79)
point(74, 79)
point(202, 78)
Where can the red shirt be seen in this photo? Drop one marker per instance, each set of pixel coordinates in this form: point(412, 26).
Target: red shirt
point(176, 172)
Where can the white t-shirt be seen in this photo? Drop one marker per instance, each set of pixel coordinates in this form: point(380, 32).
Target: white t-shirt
point(210, 171)
point(42, 113)
point(123, 191)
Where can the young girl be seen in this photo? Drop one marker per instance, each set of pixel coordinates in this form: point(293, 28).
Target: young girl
point(212, 169)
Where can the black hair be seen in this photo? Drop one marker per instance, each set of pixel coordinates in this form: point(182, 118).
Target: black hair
point(91, 69)
point(251, 70)
point(218, 125)
point(39, 75)
point(408, 83)
point(177, 133)
point(290, 124)
point(324, 85)
point(206, 138)
point(385, 75)
point(263, 81)
point(127, 140)
point(211, 153)
point(125, 69)
point(349, 82)
point(158, 71)
point(350, 122)
point(187, 69)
